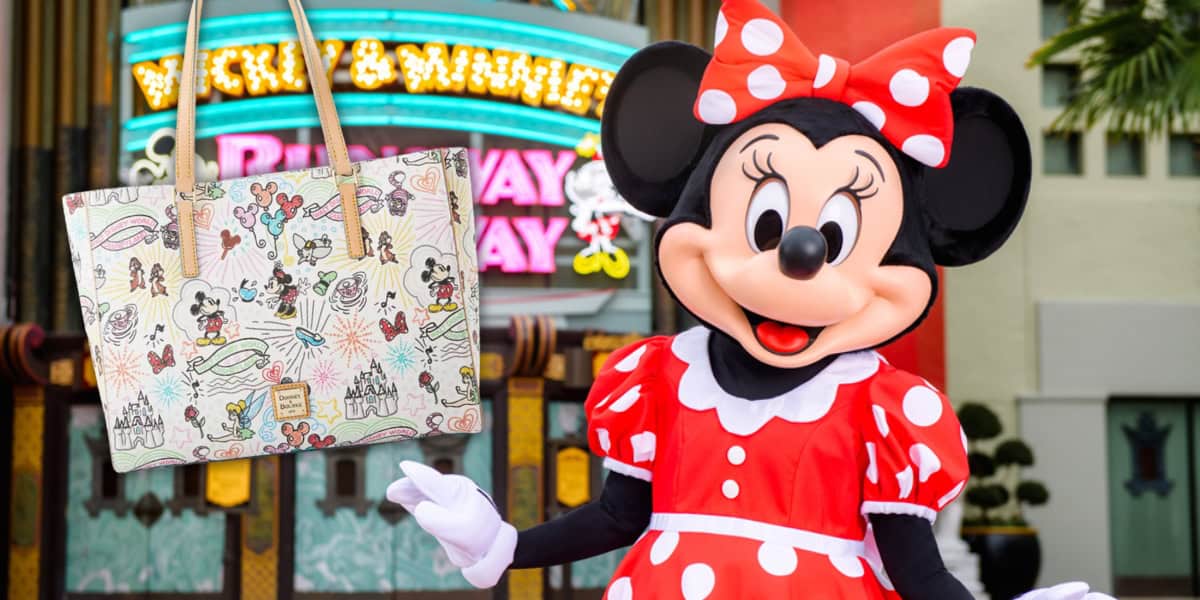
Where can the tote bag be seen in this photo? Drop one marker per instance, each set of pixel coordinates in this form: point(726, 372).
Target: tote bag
point(333, 306)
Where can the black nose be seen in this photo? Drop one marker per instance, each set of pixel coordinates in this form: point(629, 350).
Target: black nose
point(801, 252)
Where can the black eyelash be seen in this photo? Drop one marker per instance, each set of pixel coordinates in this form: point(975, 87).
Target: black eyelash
point(762, 174)
point(858, 192)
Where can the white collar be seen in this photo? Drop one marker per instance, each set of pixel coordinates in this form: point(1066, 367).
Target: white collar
point(811, 400)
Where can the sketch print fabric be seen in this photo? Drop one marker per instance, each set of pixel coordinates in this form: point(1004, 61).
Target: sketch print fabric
point(191, 369)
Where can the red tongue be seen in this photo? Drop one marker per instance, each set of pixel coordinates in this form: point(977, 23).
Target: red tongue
point(780, 338)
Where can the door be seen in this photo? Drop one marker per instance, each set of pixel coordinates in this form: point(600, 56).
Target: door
point(349, 539)
point(137, 533)
point(1152, 461)
point(565, 425)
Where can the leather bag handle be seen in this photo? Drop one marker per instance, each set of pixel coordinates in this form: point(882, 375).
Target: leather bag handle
point(185, 138)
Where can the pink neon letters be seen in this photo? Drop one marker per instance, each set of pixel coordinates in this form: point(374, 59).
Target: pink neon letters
point(512, 244)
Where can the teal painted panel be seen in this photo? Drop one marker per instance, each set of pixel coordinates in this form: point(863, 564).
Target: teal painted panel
point(107, 553)
point(563, 419)
point(421, 564)
point(343, 552)
point(349, 553)
point(595, 572)
point(186, 551)
point(1150, 533)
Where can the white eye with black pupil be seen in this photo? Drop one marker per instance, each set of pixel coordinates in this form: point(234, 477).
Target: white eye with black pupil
point(767, 216)
point(838, 222)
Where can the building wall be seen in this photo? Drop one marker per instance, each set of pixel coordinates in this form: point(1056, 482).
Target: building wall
point(1013, 324)
point(1092, 236)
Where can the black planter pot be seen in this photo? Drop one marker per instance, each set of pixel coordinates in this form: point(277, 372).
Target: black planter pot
point(1009, 559)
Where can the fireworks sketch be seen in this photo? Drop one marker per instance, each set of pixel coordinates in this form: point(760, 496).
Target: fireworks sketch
point(401, 356)
point(123, 368)
point(168, 389)
point(351, 337)
point(324, 377)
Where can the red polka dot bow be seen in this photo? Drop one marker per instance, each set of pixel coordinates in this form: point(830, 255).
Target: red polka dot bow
point(904, 89)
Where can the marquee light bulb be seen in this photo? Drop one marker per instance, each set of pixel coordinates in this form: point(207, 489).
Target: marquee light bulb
point(430, 68)
point(372, 66)
point(257, 70)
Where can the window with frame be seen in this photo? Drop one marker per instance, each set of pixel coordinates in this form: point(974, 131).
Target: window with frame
point(1183, 155)
point(1062, 153)
point(1124, 156)
point(345, 481)
point(108, 486)
point(445, 452)
point(1055, 18)
point(1058, 84)
point(189, 490)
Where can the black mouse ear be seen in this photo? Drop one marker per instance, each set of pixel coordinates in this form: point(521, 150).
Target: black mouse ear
point(649, 136)
point(974, 203)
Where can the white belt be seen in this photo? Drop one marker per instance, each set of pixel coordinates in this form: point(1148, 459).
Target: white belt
point(757, 530)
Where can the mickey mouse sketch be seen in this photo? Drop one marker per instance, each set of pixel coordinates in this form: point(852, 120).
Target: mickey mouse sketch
point(209, 318)
point(771, 452)
point(441, 285)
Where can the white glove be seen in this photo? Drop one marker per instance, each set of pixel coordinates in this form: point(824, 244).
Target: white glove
point(462, 517)
point(1076, 590)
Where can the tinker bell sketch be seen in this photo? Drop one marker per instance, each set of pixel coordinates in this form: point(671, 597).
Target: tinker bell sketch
point(240, 414)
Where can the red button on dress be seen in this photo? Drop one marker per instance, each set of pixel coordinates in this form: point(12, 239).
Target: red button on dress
point(766, 498)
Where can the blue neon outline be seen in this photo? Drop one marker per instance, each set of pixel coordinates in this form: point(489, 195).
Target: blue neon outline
point(402, 16)
point(401, 101)
point(401, 36)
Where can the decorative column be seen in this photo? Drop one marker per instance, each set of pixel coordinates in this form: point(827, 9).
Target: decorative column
point(25, 537)
point(526, 449)
point(260, 533)
point(534, 339)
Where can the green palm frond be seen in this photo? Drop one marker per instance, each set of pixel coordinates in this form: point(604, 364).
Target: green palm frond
point(1139, 65)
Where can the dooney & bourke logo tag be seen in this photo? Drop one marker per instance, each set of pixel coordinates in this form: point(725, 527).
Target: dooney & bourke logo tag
point(290, 400)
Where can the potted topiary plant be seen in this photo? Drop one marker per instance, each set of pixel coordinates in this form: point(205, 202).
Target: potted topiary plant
point(994, 525)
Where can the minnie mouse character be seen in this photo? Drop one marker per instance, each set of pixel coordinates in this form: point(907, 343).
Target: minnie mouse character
point(771, 452)
point(280, 284)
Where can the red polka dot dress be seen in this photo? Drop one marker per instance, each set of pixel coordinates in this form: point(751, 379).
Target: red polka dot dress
point(769, 498)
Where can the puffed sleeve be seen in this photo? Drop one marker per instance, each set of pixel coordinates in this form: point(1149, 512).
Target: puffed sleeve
point(621, 409)
point(915, 448)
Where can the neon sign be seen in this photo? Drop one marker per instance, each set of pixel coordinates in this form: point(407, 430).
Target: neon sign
point(597, 209)
point(521, 178)
point(431, 68)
